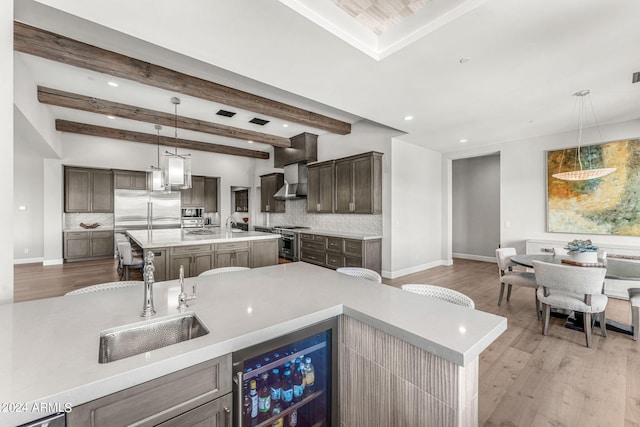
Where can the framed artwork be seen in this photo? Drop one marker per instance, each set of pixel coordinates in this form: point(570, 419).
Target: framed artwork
point(607, 205)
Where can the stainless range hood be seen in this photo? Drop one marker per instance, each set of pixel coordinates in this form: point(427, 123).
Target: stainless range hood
point(295, 182)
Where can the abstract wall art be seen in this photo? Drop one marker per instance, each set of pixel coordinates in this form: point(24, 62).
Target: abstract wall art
point(607, 205)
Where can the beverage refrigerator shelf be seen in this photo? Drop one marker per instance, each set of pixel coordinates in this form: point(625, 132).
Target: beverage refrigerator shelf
point(289, 358)
point(297, 405)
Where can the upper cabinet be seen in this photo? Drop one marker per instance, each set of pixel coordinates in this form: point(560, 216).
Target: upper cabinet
point(129, 180)
point(241, 200)
point(269, 185)
point(211, 194)
point(88, 190)
point(359, 184)
point(320, 187)
point(193, 197)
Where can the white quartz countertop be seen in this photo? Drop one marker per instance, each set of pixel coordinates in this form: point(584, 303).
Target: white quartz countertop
point(346, 235)
point(49, 351)
point(190, 236)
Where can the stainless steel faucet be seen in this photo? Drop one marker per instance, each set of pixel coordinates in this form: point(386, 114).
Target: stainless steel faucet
point(183, 298)
point(147, 309)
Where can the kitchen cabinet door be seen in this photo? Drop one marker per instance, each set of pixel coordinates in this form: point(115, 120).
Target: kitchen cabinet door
point(264, 252)
point(320, 187)
point(193, 197)
point(77, 190)
point(102, 244)
point(101, 190)
point(241, 201)
point(344, 186)
point(201, 263)
point(211, 194)
point(176, 262)
point(269, 185)
point(359, 184)
point(129, 180)
point(77, 244)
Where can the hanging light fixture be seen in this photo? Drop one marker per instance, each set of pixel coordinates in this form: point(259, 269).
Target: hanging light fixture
point(177, 167)
point(589, 173)
point(155, 176)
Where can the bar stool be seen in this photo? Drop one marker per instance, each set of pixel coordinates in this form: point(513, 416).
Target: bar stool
point(438, 292)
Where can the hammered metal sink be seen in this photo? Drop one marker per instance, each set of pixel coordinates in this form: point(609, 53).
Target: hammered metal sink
point(129, 340)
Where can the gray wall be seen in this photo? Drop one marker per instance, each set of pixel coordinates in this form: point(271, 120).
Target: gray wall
point(476, 206)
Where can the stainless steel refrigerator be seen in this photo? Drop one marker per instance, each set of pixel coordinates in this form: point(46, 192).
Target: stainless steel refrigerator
point(139, 209)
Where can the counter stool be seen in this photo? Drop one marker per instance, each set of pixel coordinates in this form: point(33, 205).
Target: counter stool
point(634, 299)
point(438, 292)
point(128, 260)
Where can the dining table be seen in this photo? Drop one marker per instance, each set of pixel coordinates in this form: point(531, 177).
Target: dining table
point(619, 269)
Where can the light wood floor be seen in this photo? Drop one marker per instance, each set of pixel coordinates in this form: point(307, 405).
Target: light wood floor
point(526, 379)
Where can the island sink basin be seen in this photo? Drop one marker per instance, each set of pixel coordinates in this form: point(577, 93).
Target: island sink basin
point(129, 340)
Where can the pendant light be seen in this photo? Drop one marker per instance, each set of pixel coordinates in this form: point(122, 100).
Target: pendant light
point(177, 167)
point(589, 173)
point(155, 176)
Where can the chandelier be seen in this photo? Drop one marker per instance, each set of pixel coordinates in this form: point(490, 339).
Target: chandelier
point(589, 173)
point(176, 169)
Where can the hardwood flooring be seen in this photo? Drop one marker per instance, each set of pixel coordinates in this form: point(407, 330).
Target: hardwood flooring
point(526, 379)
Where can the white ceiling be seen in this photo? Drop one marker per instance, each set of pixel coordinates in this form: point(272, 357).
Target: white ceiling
point(525, 60)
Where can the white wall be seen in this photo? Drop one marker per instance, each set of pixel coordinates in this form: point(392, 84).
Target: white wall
point(6, 160)
point(523, 184)
point(476, 207)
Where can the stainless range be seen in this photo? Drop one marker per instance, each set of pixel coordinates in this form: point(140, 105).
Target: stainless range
point(289, 243)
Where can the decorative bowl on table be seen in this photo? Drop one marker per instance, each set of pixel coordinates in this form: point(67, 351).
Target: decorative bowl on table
point(582, 251)
point(89, 226)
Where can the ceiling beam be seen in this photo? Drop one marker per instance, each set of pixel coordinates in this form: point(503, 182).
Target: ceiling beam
point(148, 138)
point(101, 106)
point(45, 44)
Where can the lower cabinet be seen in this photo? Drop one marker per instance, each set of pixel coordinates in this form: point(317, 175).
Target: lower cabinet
point(235, 254)
point(79, 245)
point(335, 252)
point(264, 252)
point(198, 395)
point(194, 260)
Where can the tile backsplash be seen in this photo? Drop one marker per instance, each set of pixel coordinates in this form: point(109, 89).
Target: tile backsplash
point(73, 220)
point(296, 214)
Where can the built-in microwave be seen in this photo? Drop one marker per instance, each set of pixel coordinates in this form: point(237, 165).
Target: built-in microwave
point(192, 212)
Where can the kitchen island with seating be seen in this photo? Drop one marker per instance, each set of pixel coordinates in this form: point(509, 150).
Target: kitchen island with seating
point(397, 347)
point(202, 249)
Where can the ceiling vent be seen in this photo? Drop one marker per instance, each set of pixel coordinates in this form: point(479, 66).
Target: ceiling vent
point(226, 113)
point(258, 121)
point(636, 77)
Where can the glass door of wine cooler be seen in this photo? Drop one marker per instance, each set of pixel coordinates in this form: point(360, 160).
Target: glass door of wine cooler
point(288, 382)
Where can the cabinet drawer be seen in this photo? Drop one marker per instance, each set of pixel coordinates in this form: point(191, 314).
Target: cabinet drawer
point(312, 257)
point(312, 245)
point(101, 234)
point(334, 244)
point(353, 247)
point(312, 237)
point(181, 250)
point(232, 246)
point(158, 400)
point(76, 234)
point(334, 260)
point(350, 261)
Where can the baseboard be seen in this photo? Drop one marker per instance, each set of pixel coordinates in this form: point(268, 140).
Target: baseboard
point(53, 262)
point(414, 269)
point(28, 260)
point(475, 257)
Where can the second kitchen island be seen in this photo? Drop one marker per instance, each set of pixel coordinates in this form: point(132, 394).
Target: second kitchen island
point(198, 250)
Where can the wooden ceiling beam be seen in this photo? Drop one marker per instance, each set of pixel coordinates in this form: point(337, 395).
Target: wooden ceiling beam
point(147, 138)
point(38, 42)
point(101, 106)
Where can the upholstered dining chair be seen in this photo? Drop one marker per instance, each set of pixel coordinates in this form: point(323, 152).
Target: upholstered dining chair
point(572, 288)
point(444, 294)
point(105, 287)
point(365, 273)
point(510, 277)
point(221, 270)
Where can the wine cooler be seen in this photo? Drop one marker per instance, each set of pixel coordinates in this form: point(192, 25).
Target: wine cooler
point(290, 381)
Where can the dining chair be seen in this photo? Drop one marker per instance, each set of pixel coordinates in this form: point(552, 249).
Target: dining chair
point(572, 288)
point(105, 287)
point(510, 277)
point(365, 273)
point(221, 270)
point(444, 294)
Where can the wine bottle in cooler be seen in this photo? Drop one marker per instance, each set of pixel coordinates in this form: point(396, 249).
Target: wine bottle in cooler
point(298, 381)
point(309, 375)
point(287, 389)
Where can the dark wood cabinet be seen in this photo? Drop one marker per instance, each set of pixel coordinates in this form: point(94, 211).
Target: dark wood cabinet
point(234, 254)
point(320, 187)
point(88, 190)
point(193, 197)
point(129, 180)
point(358, 181)
point(194, 260)
point(264, 252)
point(241, 199)
point(81, 245)
point(211, 194)
point(269, 185)
point(335, 252)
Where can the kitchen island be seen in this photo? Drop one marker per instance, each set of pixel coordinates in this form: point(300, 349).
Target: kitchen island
point(201, 249)
point(50, 351)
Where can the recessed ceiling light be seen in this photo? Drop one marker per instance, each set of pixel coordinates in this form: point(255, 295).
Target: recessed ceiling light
point(110, 117)
point(285, 125)
point(113, 84)
point(464, 140)
point(250, 142)
point(407, 118)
